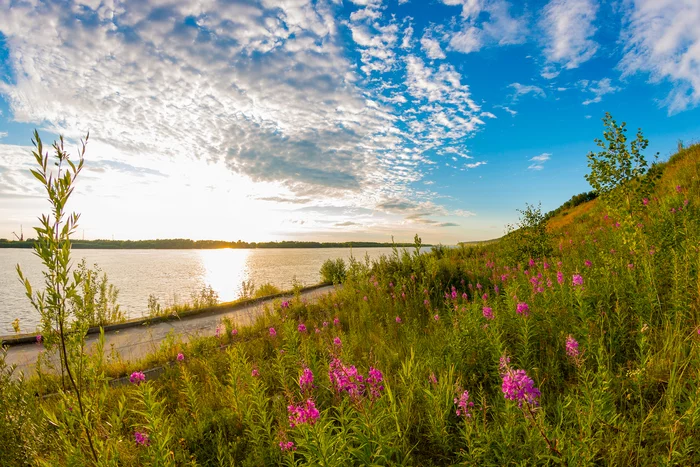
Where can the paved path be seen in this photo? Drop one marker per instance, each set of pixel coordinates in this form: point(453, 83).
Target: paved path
point(137, 342)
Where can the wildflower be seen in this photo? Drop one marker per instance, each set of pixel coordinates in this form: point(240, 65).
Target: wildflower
point(325, 324)
point(678, 189)
point(464, 296)
point(364, 298)
point(337, 342)
point(572, 347)
point(504, 277)
point(346, 379)
point(436, 318)
point(426, 302)
point(587, 263)
point(560, 277)
point(485, 297)
point(141, 438)
point(454, 293)
point(496, 289)
point(218, 331)
point(645, 201)
point(522, 309)
point(39, 338)
point(300, 414)
point(630, 266)
point(487, 312)
point(306, 380)
point(374, 383)
point(545, 265)
point(137, 377)
point(285, 304)
point(273, 333)
point(234, 332)
point(255, 373)
point(518, 386)
point(433, 379)
point(288, 446)
point(336, 321)
point(577, 280)
point(391, 285)
point(463, 405)
point(398, 319)
point(301, 327)
point(317, 330)
point(180, 357)
point(479, 286)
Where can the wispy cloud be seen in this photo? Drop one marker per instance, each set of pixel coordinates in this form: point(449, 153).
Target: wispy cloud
point(431, 47)
point(662, 38)
point(598, 88)
point(2, 133)
point(569, 29)
point(474, 165)
point(523, 90)
point(486, 23)
point(538, 161)
point(512, 112)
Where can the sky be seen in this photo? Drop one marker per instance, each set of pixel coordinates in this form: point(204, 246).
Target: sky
point(332, 120)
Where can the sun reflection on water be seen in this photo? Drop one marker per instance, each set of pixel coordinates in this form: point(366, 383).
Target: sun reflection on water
point(225, 270)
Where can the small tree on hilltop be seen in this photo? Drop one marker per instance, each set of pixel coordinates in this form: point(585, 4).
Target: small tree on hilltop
point(618, 171)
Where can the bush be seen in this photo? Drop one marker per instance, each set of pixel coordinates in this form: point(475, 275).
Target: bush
point(333, 271)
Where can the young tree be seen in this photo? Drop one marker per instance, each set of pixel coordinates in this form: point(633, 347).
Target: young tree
point(53, 247)
point(617, 172)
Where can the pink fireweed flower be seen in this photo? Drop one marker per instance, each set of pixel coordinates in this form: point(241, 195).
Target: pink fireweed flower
point(285, 304)
point(479, 286)
point(577, 280)
point(496, 289)
point(398, 319)
point(531, 263)
point(39, 338)
point(545, 265)
point(141, 438)
point(374, 383)
point(454, 294)
point(306, 380)
point(645, 201)
point(336, 321)
point(572, 347)
point(678, 189)
point(337, 342)
point(301, 327)
point(218, 331)
point(317, 330)
point(487, 312)
point(426, 302)
point(630, 266)
point(522, 308)
point(436, 318)
point(255, 373)
point(325, 324)
point(301, 414)
point(587, 263)
point(137, 377)
point(485, 297)
point(463, 405)
point(433, 380)
point(518, 386)
point(273, 333)
point(560, 277)
point(346, 379)
point(234, 332)
point(364, 298)
point(288, 446)
point(180, 357)
point(464, 296)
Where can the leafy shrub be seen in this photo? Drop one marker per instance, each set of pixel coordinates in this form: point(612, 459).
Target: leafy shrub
point(333, 270)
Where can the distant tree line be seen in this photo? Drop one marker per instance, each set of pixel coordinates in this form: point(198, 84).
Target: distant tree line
point(187, 244)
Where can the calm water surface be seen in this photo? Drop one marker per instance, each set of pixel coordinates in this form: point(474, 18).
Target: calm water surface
point(170, 275)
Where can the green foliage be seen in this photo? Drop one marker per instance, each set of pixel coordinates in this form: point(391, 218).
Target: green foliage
point(528, 238)
point(333, 271)
point(97, 303)
point(617, 171)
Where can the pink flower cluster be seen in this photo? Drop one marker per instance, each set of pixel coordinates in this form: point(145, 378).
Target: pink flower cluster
point(348, 379)
point(288, 446)
point(577, 280)
point(463, 405)
point(301, 327)
point(306, 380)
point(137, 377)
point(300, 414)
point(487, 312)
point(517, 385)
point(523, 309)
point(572, 347)
point(141, 438)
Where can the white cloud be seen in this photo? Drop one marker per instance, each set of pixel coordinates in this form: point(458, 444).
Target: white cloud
point(3, 134)
point(598, 88)
point(432, 48)
point(474, 165)
point(523, 90)
point(512, 112)
point(501, 28)
point(538, 161)
point(662, 38)
point(569, 29)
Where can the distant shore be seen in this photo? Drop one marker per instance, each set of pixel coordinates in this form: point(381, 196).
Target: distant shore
point(186, 244)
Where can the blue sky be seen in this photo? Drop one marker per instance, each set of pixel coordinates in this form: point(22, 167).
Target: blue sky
point(333, 119)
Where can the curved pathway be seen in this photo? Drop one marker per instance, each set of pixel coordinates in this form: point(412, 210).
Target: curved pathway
point(138, 341)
